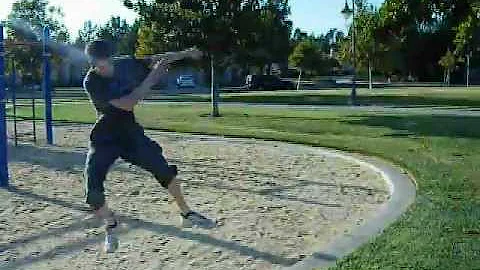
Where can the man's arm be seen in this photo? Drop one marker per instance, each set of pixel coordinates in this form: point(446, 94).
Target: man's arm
point(128, 102)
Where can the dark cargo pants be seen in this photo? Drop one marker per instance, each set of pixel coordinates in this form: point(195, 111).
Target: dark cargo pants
point(134, 147)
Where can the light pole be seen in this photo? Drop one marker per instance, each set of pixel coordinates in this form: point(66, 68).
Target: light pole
point(347, 13)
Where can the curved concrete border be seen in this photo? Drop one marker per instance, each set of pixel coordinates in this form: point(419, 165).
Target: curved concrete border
point(402, 190)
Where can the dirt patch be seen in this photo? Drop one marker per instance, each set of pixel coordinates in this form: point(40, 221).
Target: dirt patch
point(279, 203)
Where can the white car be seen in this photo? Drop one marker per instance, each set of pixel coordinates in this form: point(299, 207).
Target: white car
point(185, 81)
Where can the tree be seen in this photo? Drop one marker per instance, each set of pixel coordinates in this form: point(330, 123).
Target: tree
point(366, 27)
point(87, 34)
point(299, 35)
point(412, 24)
point(29, 17)
point(305, 56)
point(120, 33)
point(116, 30)
point(275, 32)
point(394, 37)
point(467, 36)
point(181, 24)
point(146, 42)
point(26, 22)
point(448, 62)
point(328, 44)
point(225, 30)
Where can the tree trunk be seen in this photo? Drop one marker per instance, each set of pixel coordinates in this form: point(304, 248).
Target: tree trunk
point(299, 78)
point(370, 83)
point(468, 70)
point(214, 90)
point(448, 77)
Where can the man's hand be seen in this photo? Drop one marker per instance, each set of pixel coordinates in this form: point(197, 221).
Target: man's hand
point(160, 67)
point(171, 57)
point(158, 70)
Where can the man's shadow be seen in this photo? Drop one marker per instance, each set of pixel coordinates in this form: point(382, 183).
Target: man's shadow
point(73, 161)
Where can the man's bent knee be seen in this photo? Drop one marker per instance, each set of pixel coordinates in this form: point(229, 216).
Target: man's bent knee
point(167, 177)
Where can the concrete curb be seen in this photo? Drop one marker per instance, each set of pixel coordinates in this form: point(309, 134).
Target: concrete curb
point(402, 190)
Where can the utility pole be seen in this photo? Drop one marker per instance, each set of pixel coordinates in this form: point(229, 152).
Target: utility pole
point(214, 89)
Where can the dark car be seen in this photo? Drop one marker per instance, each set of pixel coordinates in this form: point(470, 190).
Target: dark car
point(267, 82)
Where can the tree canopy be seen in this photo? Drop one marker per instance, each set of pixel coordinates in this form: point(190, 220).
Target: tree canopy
point(254, 32)
point(409, 37)
point(116, 30)
point(401, 37)
point(27, 19)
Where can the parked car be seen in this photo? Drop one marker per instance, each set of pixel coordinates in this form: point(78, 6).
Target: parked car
point(267, 82)
point(185, 81)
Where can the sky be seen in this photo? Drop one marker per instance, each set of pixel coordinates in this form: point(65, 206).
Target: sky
point(78, 11)
point(319, 16)
point(312, 16)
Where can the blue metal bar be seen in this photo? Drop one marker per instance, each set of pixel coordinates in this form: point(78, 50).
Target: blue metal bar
point(34, 117)
point(13, 90)
point(3, 118)
point(47, 86)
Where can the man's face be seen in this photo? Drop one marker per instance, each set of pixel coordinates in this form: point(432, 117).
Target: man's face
point(105, 67)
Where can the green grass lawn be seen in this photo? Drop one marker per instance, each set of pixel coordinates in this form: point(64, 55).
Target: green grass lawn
point(442, 228)
point(407, 96)
point(395, 96)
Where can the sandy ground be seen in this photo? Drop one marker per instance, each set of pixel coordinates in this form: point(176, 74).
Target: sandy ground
point(278, 203)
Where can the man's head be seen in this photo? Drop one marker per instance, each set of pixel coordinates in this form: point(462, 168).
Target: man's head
point(99, 53)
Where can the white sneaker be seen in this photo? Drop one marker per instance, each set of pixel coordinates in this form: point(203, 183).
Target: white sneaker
point(194, 219)
point(111, 241)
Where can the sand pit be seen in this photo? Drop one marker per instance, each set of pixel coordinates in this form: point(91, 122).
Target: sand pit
point(278, 204)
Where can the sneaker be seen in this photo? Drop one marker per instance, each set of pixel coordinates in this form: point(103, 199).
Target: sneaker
point(194, 219)
point(111, 241)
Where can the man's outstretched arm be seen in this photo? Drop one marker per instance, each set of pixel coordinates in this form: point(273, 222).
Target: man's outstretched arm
point(128, 102)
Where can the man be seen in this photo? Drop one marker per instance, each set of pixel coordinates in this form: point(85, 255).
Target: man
point(116, 134)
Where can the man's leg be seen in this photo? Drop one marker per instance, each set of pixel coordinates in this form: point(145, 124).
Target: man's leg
point(148, 155)
point(99, 160)
point(176, 191)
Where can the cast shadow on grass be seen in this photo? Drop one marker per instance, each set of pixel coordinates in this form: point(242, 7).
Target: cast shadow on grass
point(423, 125)
point(384, 100)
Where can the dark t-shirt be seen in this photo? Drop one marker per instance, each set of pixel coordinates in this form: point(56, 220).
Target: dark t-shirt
point(101, 90)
